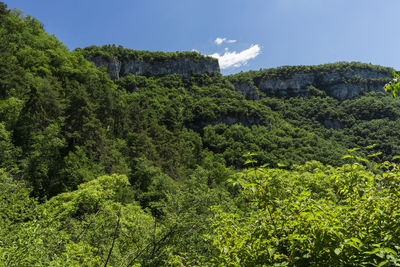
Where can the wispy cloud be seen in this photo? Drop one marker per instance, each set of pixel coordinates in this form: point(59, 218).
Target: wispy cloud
point(235, 59)
point(220, 40)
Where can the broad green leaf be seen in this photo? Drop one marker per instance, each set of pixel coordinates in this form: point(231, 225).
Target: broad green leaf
point(271, 251)
point(249, 154)
point(374, 251)
point(355, 239)
point(383, 263)
point(376, 166)
point(249, 161)
point(375, 154)
point(389, 250)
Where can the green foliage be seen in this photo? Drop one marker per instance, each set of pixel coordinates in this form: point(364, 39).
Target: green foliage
point(112, 51)
point(312, 216)
point(288, 71)
point(8, 152)
point(313, 91)
point(100, 172)
point(42, 163)
point(51, 101)
point(281, 144)
point(22, 237)
point(91, 215)
point(393, 85)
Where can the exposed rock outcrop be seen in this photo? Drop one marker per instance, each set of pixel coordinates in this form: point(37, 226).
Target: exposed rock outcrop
point(338, 85)
point(247, 89)
point(340, 80)
point(112, 65)
point(293, 86)
point(182, 65)
point(186, 66)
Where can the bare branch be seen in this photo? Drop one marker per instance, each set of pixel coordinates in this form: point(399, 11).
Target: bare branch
point(114, 238)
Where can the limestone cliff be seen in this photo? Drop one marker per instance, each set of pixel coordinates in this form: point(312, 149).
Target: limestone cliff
point(247, 88)
point(113, 65)
point(339, 80)
point(120, 61)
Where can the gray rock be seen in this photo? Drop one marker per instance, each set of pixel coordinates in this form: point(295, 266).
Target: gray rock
point(247, 89)
point(112, 65)
point(185, 66)
point(294, 86)
point(340, 85)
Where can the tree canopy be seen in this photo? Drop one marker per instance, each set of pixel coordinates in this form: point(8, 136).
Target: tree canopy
point(159, 171)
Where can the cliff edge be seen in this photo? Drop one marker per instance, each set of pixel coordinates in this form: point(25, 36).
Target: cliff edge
point(339, 80)
point(120, 61)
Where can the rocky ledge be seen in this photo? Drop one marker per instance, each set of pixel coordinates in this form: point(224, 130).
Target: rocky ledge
point(338, 80)
point(120, 61)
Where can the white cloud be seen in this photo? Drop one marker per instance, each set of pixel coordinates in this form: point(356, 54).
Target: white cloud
point(234, 59)
point(220, 40)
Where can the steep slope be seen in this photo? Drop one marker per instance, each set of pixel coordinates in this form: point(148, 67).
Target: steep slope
point(150, 170)
point(64, 121)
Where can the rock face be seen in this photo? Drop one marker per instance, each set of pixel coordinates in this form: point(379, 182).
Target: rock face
point(341, 80)
point(247, 89)
point(338, 80)
point(338, 85)
point(293, 86)
point(185, 66)
point(112, 65)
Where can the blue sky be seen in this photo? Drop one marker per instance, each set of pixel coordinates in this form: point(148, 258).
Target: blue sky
point(243, 34)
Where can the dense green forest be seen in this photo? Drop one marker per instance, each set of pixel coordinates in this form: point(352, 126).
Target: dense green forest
point(175, 171)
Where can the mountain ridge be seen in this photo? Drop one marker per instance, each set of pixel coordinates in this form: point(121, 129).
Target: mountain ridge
point(120, 61)
point(341, 80)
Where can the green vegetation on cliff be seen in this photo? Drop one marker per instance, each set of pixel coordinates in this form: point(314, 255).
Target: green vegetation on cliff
point(288, 71)
point(150, 170)
point(112, 51)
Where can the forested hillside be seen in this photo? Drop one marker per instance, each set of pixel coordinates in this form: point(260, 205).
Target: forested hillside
point(190, 168)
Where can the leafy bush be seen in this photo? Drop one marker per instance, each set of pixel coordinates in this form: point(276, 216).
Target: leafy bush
point(315, 216)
